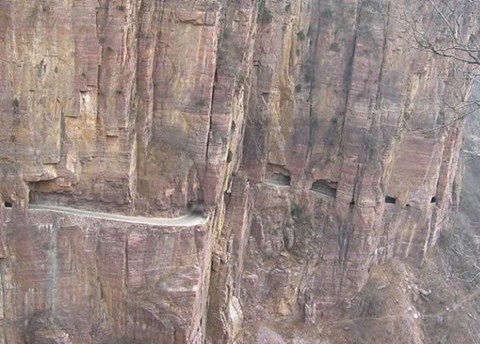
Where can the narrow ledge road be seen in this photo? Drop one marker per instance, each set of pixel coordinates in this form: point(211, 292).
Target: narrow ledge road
point(192, 219)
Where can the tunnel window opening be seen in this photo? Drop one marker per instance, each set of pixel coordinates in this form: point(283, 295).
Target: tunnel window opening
point(196, 208)
point(390, 200)
point(280, 179)
point(325, 187)
point(433, 200)
point(278, 175)
point(8, 204)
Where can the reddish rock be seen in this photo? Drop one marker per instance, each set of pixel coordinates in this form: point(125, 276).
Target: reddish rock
point(310, 134)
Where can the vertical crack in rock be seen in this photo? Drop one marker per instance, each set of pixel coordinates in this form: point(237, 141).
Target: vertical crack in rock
point(210, 111)
point(62, 130)
point(102, 307)
point(149, 44)
point(210, 125)
point(100, 43)
point(345, 234)
point(384, 54)
point(52, 231)
point(312, 62)
point(125, 280)
point(3, 300)
point(348, 74)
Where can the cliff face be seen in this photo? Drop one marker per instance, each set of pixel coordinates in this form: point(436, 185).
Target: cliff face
point(306, 138)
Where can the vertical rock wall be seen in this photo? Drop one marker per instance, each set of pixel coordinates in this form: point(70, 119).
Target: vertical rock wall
point(311, 134)
point(350, 156)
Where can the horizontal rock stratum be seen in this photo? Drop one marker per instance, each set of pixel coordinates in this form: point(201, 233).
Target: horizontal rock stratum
point(181, 171)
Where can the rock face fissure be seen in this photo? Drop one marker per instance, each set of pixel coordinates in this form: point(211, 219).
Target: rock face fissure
point(294, 124)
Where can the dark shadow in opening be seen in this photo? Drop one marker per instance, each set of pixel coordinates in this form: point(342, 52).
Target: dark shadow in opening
point(390, 200)
point(196, 208)
point(433, 200)
point(277, 175)
point(325, 187)
point(8, 204)
point(279, 179)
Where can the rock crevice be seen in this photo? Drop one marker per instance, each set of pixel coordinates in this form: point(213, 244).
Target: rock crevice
point(311, 133)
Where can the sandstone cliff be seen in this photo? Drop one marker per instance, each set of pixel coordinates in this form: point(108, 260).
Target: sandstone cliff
point(306, 139)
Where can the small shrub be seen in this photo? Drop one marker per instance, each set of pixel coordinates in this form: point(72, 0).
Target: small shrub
point(298, 212)
point(229, 156)
point(327, 14)
point(226, 34)
point(371, 303)
point(309, 75)
point(202, 102)
point(310, 30)
point(335, 47)
point(15, 103)
point(266, 16)
point(373, 142)
point(300, 35)
point(298, 88)
point(121, 8)
point(240, 79)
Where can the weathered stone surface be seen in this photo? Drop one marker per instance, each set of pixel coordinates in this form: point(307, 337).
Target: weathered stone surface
point(99, 277)
point(310, 133)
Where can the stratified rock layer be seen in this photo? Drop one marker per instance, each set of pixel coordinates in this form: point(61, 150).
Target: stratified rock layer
point(310, 134)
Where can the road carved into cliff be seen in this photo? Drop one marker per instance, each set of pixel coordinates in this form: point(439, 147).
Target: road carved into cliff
point(192, 219)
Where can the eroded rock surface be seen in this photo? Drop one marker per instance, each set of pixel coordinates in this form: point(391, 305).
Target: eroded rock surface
point(309, 135)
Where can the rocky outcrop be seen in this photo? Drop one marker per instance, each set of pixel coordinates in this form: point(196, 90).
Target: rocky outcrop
point(310, 134)
point(101, 279)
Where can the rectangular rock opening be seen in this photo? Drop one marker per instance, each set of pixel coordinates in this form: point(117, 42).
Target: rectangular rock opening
point(278, 175)
point(41, 192)
point(390, 200)
point(196, 208)
point(279, 179)
point(35, 197)
point(325, 187)
point(433, 200)
point(8, 204)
